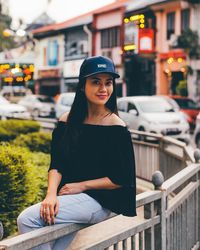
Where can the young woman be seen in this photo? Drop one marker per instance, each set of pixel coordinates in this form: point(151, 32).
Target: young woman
point(92, 170)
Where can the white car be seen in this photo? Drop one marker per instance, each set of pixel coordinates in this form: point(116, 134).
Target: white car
point(39, 105)
point(8, 109)
point(64, 103)
point(153, 114)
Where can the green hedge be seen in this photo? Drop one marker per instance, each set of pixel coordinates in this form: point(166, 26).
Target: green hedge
point(36, 141)
point(23, 179)
point(10, 129)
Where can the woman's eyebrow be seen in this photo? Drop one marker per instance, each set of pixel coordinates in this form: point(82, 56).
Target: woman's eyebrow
point(99, 78)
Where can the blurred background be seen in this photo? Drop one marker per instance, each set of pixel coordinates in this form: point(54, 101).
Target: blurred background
point(154, 44)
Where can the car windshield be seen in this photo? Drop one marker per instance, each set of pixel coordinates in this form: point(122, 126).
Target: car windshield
point(156, 106)
point(186, 103)
point(45, 99)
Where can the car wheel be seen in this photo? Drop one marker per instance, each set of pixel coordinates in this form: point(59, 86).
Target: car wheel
point(35, 113)
point(197, 140)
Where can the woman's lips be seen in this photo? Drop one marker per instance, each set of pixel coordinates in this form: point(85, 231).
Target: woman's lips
point(102, 97)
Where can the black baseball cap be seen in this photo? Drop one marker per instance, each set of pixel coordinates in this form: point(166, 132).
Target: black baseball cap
point(96, 65)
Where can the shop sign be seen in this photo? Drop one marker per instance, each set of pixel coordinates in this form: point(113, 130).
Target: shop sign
point(172, 54)
point(49, 73)
point(146, 40)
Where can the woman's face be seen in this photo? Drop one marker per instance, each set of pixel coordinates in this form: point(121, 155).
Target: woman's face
point(99, 88)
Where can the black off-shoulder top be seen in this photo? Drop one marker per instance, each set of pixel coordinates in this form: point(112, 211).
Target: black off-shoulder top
point(101, 151)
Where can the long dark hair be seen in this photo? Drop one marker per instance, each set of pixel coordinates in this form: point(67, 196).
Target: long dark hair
point(79, 112)
point(79, 109)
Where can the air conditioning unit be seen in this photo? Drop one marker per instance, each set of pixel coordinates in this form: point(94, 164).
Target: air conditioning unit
point(173, 41)
point(83, 45)
point(107, 53)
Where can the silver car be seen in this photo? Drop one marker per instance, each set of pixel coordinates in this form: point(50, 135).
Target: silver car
point(153, 114)
point(39, 105)
point(64, 103)
point(8, 109)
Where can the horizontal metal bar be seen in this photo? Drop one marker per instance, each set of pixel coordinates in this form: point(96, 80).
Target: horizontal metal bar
point(181, 177)
point(181, 196)
point(148, 197)
point(123, 234)
point(39, 236)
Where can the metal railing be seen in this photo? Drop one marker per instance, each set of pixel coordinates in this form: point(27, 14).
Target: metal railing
point(168, 218)
point(157, 152)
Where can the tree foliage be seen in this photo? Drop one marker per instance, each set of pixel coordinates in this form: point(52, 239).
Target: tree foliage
point(5, 22)
point(23, 178)
point(10, 129)
point(36, 141)
point(189, 41)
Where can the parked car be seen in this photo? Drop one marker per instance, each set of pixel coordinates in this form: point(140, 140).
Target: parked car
point(39, 105)
point(176, 107)
point(153, 114)
point(189, 107)
point(196, 134)
point(8, 109)
point(64, 102)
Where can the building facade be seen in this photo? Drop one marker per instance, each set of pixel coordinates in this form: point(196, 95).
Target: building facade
point(49, 57)
point(139, 49)
point(172, 74)
point(108, 38)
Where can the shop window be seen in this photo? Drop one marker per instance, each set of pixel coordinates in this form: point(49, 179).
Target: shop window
point(110, 37)
point(185, 19)
point(52, 53)
point(170, 24)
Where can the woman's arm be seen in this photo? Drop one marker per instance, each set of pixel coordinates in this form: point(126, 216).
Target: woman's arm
point(54, 178)
point(49, 206)
point(79, 187)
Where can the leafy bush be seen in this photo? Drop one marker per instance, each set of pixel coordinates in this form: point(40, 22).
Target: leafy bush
point(181, 88)
point(36, 141)
point(10, 129)
point(23, 178)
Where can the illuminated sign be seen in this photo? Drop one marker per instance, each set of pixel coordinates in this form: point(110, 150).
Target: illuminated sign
point(139, 20)
point(129, 47)
point(146, 41)
point(132, 26)
point(16, 74)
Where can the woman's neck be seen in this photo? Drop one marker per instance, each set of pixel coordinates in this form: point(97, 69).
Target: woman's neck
point(97, 115)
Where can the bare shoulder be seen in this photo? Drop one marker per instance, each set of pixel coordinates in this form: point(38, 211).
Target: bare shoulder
point(116, 120)
point(64, 117)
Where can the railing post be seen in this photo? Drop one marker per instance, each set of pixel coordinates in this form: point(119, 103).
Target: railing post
point(197, 155)
point(1, 230)
point(153, 235)
point(197, 160)
point(160, 229)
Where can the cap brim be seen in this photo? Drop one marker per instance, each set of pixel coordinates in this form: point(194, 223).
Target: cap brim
point(115, 75)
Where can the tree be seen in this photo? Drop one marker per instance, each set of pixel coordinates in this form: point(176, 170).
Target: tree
point(189, 41)
point(7, 42)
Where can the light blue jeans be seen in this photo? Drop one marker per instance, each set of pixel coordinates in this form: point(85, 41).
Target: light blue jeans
point(77, 208)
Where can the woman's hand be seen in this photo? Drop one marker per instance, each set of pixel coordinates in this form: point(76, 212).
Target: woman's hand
point(72, 188)
point(49, 208)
